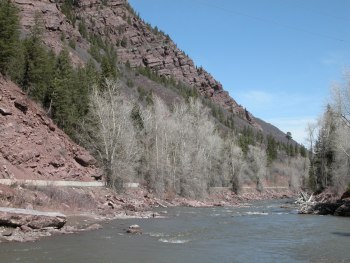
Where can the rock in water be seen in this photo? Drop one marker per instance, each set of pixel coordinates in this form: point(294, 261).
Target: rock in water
point(13, 217)
point(343, 210)
point(134, 229)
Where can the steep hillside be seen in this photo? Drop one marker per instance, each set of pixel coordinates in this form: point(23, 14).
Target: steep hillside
point(268, 128)
point(160, 130)
point(31, 145)
point(87, 25)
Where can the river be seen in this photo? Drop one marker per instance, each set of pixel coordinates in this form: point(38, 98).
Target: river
point(262, 232)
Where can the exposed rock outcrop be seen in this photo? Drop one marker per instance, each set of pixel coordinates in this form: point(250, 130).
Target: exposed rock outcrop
point(31, 145)
point(56, 25)
point(135, 41)
point(14, 217)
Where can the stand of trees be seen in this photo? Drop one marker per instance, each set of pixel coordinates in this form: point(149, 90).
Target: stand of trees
point(174, 150)
point(330, 159)
point(171, 150)
point(49, 79)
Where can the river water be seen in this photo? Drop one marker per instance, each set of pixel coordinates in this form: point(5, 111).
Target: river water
point(262, 232)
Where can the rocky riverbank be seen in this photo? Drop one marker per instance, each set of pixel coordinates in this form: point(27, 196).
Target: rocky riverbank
point(325, 203)
point(84, 209)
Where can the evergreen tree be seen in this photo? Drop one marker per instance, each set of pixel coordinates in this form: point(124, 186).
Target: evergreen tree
point(38, 64)
point(82, 28)
point(9, 34)
point(302, 151)
point(86, 77)
point(62, 105)
point(67, 9)
point(271, 149)
point(291, 151)
point(312, 184)
point(324, 150)
point(107, 70)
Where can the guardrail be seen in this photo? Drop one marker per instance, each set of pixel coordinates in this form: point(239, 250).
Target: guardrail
point(51, 183)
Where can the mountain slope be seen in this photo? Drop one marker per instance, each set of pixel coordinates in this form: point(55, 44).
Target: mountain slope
point(92, 26)
point(32, 147)
point(136, 42)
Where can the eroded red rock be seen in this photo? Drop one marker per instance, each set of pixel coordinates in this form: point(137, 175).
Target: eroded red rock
point(144, 47)
point(32, 147)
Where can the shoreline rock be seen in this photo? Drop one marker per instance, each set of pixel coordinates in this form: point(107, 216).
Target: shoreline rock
point(131, 204)
point(15, 217)
point(28, 225)
point(324, 204)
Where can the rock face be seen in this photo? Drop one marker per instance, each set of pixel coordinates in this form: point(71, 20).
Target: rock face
point(31, 145)
point(12, 217)
point(135, 41)
point(54, 22)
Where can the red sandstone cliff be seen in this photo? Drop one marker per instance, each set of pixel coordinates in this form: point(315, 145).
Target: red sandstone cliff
point(143, 46)
point(32, 147)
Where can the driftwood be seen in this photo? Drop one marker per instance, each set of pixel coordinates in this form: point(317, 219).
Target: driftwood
point(322, 205)
point(160, 204)
point(306, 203)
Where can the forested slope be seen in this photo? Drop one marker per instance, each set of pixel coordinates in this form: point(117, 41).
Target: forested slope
point(169, 126)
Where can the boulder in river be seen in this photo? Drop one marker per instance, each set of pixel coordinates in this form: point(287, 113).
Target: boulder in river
point(134, 229)
point(343, 210)
point(14, 217)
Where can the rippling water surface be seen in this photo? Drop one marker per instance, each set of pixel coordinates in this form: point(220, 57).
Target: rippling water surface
point(262, 232)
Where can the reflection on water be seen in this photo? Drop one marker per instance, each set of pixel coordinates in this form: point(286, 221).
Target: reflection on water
point(263, 232)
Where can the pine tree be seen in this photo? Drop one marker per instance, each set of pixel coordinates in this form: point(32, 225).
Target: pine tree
point(62, 104)
point(108, 68)
point(271, 149)
point(312, 184)
point(324, 150)
point(302, 151)
point(9, 34)
point(38, 64)
point(86, 77)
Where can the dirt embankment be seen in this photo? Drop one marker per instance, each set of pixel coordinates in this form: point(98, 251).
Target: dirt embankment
point(33, 147)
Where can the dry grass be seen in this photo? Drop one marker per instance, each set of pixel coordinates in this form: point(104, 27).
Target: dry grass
point(73, 197)
point(42, 197)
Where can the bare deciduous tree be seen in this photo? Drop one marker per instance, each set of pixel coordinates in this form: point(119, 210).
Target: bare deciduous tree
point(341, 108)
point(114, 137)
point(176, 151)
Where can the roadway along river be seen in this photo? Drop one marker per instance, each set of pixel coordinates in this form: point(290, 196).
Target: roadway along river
point(263, 232)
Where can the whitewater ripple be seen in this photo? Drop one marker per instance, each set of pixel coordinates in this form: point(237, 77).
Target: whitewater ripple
point(174, 241)
point(257, 213)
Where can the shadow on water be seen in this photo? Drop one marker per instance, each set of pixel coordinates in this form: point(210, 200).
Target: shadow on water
point(344, 234)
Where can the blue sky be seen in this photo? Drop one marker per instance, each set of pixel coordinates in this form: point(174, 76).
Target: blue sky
point(277, 58)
